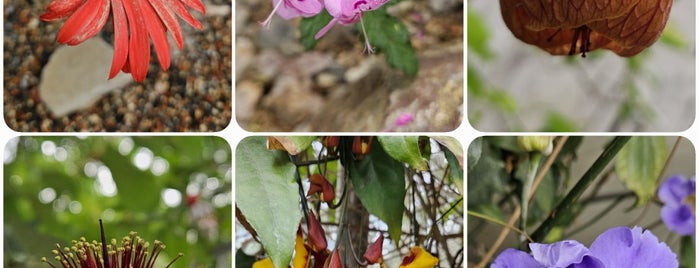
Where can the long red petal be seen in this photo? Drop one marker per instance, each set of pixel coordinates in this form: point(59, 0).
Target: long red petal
point(157, 33)
point(196, 5)
point(169, 20)
point(85, 21)
point(183, 13)
point(139, 47)
point(59, 9)
point(121, 38)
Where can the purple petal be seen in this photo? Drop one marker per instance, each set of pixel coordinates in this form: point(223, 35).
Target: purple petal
point(334, 7)
point(559, 254)
point(512, 258)
point(624, 247)
point(679, 219)
point(286, 11)
point(307, 8)
point(675, 189)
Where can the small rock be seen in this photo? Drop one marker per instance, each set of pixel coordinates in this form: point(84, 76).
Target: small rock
point(326, 80)
point(247, 95)
point(76, 76)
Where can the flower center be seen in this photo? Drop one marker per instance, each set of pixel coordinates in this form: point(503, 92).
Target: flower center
point(690, 200)
point(361, 5)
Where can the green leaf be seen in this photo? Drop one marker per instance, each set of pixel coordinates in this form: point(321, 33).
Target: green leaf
point(478, 35)
point(389, 35)
point(639, 164)
point(456, 172)
point(673, 37)
point(474, 152)
point(295, 144)
point(309, 27)
point(687, 252)
point(404, 149)
point(379, 183)
point(557, 122)
point(132, 182)
point(268, 197)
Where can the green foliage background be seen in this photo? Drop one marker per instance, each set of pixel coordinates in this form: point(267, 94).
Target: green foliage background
point(202, 164)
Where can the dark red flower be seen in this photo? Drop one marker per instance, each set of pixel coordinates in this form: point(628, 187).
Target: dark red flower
point(135, 21)
point(319, 184)
point(316, 235)
point(373, 253)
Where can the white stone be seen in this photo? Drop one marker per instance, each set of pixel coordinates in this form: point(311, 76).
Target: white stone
point(76, 77)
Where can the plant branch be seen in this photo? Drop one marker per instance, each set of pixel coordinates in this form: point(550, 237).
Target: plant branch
point(566, 204)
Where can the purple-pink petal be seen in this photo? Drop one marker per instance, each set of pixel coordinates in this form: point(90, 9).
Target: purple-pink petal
point(678, 213)
point(565, 253)
point(624, 247)
point(307, 8)
point(512, 258)
point(676, 188)
point(679, 219)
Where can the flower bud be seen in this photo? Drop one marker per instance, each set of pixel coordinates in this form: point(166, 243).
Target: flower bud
point(319, 184)
point(335, 261)
point(361, 145)
point(316, 235)
point(373, 253)
point(331, 143)
point(541, 144)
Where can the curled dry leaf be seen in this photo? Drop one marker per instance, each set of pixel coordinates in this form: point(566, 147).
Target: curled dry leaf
point(568, 27)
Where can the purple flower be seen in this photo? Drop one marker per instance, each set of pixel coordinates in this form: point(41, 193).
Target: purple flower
point(567, 253)
point(677, 194)
point(348, 12)
point(616, 247)
point(624, 247)
point(289, 9)
point(404, 119)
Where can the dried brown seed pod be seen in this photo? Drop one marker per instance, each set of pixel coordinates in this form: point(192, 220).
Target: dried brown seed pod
point(568, 27)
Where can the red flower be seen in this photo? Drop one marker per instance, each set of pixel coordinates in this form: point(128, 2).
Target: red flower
point(134, 22)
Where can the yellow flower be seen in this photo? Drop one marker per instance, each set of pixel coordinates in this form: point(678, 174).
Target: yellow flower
point(263, 263)
point(419, 258)
point(301, 254)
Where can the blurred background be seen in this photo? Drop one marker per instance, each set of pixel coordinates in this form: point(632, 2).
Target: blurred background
point(173, 189)
point(513, 86)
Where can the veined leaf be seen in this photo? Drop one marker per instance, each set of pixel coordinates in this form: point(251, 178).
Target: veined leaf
point(639, 164)
point(389, 35)
point(309, 27)
point(268, 197)
point(379, 183)
point(404, 149)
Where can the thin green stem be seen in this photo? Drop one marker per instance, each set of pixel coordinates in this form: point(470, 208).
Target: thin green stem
point(534, 159)
point(555, 217)
point(498, 222)
point(599, 215)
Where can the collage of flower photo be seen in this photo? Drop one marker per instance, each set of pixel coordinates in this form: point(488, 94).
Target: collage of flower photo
point(349, 133)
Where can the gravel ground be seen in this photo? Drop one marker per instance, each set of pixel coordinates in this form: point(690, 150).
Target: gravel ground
point(193, 95)
point(335, 87)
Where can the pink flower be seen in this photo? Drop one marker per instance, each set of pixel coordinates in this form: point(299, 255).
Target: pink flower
point(134, 22)
point(289, 9)
point(348, 12)
point(404, 119)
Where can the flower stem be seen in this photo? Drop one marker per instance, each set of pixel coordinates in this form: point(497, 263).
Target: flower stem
point(566, 204)
point(534, 159)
